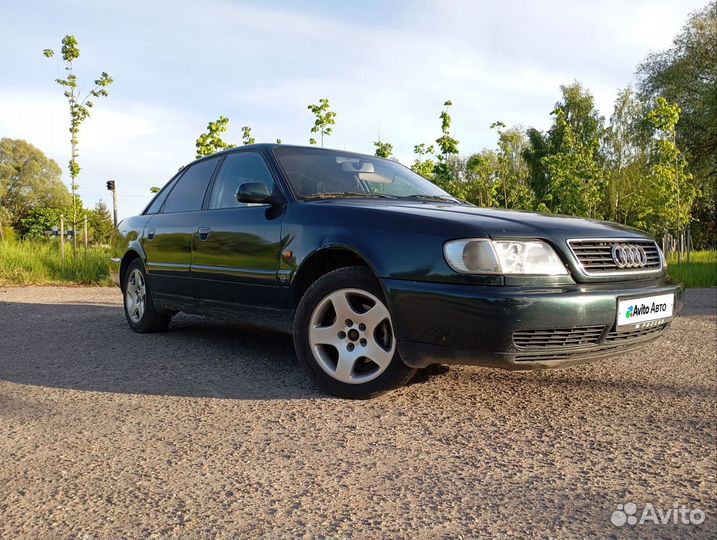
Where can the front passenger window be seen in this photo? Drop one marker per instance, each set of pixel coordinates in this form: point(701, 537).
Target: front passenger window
point(237, 169)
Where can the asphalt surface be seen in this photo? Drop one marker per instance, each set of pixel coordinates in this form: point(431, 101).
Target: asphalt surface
point(211, 430)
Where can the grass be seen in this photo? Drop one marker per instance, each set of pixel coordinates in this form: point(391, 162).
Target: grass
point(700, 271)
point(39, 263)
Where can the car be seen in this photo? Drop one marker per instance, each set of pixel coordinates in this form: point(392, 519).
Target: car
point(377, 272)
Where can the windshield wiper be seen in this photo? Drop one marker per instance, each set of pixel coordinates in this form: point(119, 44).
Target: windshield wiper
point(436, 198)
point(347, 194)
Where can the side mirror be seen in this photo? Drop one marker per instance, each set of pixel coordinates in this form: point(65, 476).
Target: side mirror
point(254, 192)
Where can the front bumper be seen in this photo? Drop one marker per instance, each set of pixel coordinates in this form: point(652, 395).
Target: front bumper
point(115, 264)
point(439, 323)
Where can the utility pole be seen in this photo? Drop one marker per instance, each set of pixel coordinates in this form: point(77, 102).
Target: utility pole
point(112, 186)
point(85, 235)
point(62, 237)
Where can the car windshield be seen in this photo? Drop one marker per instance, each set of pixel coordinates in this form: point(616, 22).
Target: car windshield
point(315, 173)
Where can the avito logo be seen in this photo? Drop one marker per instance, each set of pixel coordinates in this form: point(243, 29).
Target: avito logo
point(644, 309)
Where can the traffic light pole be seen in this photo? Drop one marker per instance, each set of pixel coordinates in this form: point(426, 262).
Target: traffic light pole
point(112, 186)
point(114, 205)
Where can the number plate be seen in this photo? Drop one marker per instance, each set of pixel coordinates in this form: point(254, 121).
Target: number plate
point(645, 311)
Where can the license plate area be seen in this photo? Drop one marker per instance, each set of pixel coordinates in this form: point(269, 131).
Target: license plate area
point(644, 311)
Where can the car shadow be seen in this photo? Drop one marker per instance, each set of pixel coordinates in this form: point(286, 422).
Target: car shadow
point(90, 347)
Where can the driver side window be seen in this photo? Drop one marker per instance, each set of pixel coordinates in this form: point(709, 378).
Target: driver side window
point(237, 169)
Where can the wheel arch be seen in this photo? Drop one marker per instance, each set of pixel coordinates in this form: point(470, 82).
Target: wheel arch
point(129, 256)
point(322, 261)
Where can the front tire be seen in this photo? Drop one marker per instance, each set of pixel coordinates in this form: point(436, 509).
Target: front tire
point(344, 338)
point(139, 309)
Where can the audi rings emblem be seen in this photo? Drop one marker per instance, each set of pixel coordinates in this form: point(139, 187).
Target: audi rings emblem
point(629, 256)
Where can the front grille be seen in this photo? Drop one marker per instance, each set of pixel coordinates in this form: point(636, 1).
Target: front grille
point(595, 256)
point(612, 342)
point(634, 334)
point(557, 337)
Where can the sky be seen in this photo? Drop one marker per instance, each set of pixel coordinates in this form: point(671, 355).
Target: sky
point(386, 67)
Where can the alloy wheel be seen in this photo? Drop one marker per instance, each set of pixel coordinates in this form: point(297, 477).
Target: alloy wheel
point(135, 296)
point(351, 336)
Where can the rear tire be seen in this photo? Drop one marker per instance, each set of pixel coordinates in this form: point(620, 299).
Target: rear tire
point(344, 338)
point(139, 309)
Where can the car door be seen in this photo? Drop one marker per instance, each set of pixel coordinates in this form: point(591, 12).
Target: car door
point(167, 236)
point(235, 247)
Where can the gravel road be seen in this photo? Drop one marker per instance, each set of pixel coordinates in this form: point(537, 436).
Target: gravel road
point(211, 430)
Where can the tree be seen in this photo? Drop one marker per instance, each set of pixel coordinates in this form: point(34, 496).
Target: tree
point(481, 180)
point(573, 174)
point(41, 219)
point(100, 221)
point(211, 142)
point(246, 137)
point(423, 164)
point(672, 193)
point(625, 149)
point(28, 179)
point(512, 170)
point(686, 74)
point(565, 162)
point(447, 146)
point(325, 118)
point(79, 108)
point(383, 149)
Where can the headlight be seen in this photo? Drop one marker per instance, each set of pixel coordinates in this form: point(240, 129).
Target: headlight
point(483, 256)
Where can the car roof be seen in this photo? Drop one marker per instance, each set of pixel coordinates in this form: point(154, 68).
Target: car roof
point(271, 146)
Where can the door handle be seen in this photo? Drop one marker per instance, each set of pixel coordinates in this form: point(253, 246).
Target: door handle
point(204, 232)
point(150, 234)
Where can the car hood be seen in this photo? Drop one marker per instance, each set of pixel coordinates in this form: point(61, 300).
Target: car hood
point(497, 223)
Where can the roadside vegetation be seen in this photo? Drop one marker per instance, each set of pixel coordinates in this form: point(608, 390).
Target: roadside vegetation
point(39, 262)
point(699, 271)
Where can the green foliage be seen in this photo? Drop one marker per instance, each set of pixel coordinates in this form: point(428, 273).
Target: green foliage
point(443, 173)
point(671, 190)
point(423, 164)
point(28, 180)
point(383, 149)
point(325, 118)
point(100, 223)
point(511, 169)
point(564, 166)
point(481, 183)
point(686, 74)
point(246, 137)
point(79, 106)
point(210, 142)
point(38, 262)
point(155, 189)
point(42, 219)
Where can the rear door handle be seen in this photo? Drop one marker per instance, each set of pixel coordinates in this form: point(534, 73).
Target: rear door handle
point(150, 234)
point(204, 232)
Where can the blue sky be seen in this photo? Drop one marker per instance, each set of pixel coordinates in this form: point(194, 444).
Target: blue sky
point(384, 65)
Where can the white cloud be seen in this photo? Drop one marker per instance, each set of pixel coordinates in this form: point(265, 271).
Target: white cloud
point(136, 144)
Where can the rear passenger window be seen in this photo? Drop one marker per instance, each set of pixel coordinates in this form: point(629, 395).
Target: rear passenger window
point(189, 192)
point(160, 197)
